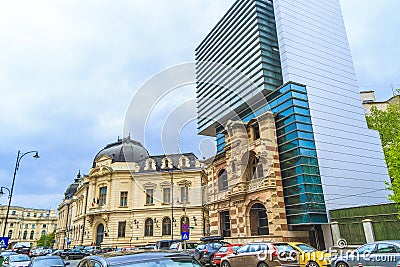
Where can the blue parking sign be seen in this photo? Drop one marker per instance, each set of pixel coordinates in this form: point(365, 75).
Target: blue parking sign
point(4, 242)
point(185, 235)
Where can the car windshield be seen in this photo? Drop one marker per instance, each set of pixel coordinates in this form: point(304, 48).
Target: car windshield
point(369, 248)
point(17, 258)
point(48, 262)
point(216, 245)
point(305, 247)
point(223, 249)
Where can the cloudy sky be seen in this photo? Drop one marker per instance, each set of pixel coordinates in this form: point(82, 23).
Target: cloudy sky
point(69, 70)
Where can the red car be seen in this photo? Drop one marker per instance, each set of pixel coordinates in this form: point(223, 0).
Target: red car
point(223, 251)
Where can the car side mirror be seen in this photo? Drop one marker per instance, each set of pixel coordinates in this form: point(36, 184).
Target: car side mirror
point(67, 263)
point(235, 252)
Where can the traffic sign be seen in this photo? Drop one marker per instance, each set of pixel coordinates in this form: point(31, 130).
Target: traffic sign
point(185, 227)
point(4, 242)
point(185, 235)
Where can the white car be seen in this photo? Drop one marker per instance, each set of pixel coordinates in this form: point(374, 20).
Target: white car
point(20, 260)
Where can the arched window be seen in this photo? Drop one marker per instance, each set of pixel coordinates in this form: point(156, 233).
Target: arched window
point(32, 235)
point(43, 232)
point(10, 234)
point(25, 235)
point(258, 220)
point(166, 226)
point(148, 227)
point(222, 180)
point(184, 220)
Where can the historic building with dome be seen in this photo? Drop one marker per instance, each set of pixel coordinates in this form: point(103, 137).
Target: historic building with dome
point(131, 198)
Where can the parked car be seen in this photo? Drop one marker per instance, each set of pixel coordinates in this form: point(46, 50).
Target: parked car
point(74, 254)
point(57, 252)
point(165, 244)
point(22, 250)
point(381, 253)
point(92, 249)
point(128, 248)
point(45, 261)
point(139, 259)
point(180, 246)
point(6, 253)
point(260, 254)
point(205, 251)
point(224, 251)
point(306, 254)
point(19, 260)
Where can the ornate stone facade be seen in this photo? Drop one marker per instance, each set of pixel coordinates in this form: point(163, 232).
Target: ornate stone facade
point(245, 194)
point(26, 224)
point(126, 199)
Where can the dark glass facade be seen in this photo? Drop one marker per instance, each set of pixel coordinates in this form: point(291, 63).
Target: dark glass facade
point(238, 59)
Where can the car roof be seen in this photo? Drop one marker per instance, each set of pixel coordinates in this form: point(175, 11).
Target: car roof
point(397, 242)
point(47, 257)
point(115, 258)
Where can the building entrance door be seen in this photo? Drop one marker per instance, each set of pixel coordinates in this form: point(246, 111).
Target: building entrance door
point(100, 234)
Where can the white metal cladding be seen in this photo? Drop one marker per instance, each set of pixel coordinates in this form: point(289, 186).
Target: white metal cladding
point(315, 52)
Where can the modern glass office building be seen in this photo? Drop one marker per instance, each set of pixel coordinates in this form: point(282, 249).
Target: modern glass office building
point(296, 57)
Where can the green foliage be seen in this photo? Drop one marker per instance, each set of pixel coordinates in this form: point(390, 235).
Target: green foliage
point(46, 240)
point(388, 124)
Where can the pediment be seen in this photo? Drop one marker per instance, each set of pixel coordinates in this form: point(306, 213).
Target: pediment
point(184, 183)
point(165, 183)
point(149, 185)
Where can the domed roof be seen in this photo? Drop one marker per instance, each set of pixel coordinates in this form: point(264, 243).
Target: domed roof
point(124, 150)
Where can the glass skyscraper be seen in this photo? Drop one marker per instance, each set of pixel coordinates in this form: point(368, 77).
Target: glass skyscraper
point(296, 61)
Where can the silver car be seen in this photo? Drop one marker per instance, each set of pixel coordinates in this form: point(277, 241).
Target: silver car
point(381, 253)
point(19, 260)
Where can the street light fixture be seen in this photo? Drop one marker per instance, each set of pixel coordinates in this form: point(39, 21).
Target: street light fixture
point(19, 157)
point(2, 192)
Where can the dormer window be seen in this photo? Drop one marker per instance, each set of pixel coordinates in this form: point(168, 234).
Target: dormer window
point(150, 165)
point(184, 162)
point(166, 163)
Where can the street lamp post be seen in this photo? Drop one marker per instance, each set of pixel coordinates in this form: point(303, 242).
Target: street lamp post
point(171, 173)
point(19, 157)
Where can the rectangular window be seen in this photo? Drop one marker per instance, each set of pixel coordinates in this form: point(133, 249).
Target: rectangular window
point(13, 212)
point(225, 223)
point(124, 199)
point(34, 215)
point(44, 225)
point(256, 131)
point(28, 214)
point(184, 194)
point(103, 196)
point(167, 195)
point(26, 226)
point(33, 226)
point(121, 229)
point(11, 224)
point(149, 196)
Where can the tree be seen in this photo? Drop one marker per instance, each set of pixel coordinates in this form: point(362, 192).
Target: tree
point(388, 124)
point(46, 240)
